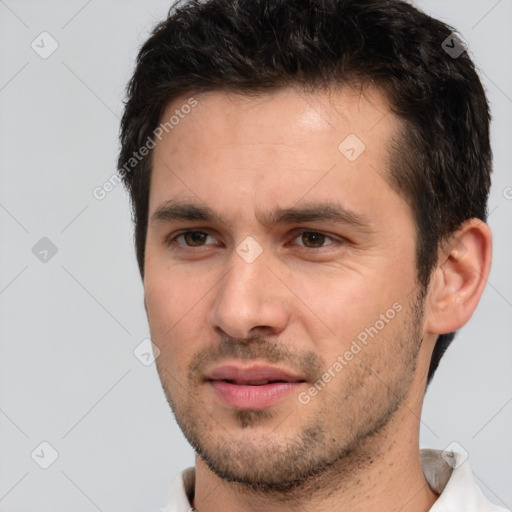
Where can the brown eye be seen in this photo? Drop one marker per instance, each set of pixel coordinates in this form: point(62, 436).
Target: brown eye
point(190, 238)
point(195, 238)
point(312, 239)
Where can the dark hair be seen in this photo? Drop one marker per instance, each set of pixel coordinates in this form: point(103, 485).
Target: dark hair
point(442, 163)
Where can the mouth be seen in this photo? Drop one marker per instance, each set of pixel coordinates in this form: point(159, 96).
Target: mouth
point(255, 383)
point(252, 387)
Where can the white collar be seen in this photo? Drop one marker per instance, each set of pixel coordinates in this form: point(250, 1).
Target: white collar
point(450, 476)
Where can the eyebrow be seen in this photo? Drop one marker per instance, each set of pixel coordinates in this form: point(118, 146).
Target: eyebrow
point(328, 212)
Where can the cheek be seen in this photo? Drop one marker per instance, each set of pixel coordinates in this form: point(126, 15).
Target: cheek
point(164, 300)
point(177, 315)
point(339, 309)
point(170, 291)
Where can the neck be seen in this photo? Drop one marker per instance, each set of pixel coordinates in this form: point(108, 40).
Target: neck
point(383, 473)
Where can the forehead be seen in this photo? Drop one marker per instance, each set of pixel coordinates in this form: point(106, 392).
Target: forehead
point(274, 147)
point(289, 113)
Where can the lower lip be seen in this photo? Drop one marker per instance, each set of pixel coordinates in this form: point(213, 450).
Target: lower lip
point(253, 397)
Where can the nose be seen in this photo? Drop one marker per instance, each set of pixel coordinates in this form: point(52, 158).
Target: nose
point(250, 300)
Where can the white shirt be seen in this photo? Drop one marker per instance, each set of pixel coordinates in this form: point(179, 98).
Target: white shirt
point(450, 477)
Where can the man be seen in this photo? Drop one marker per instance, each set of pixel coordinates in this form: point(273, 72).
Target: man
point(309, 182)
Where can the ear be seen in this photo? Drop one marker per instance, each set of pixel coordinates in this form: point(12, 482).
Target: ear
point(457, 283)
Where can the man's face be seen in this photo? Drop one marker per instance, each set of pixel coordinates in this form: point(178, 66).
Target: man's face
point(280, 282)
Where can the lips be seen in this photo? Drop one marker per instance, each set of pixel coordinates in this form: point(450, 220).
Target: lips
point(253, 375)
point(252, 387)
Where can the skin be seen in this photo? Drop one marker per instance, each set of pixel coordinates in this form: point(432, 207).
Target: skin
point(301, 303)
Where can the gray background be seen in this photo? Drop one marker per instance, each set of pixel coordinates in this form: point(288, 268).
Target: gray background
point(69, 326)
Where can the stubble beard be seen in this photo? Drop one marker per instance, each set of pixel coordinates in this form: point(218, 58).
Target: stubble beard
point(269, 464)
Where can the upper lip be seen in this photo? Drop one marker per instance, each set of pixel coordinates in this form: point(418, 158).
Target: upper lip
point(240, 374)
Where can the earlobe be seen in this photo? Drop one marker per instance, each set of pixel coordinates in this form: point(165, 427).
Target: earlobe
point(460, 277)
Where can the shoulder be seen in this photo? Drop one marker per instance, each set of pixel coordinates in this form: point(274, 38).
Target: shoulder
point(449, 474)
point(181, 492)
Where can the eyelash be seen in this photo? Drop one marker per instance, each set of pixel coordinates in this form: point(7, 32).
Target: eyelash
point(172, 239)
